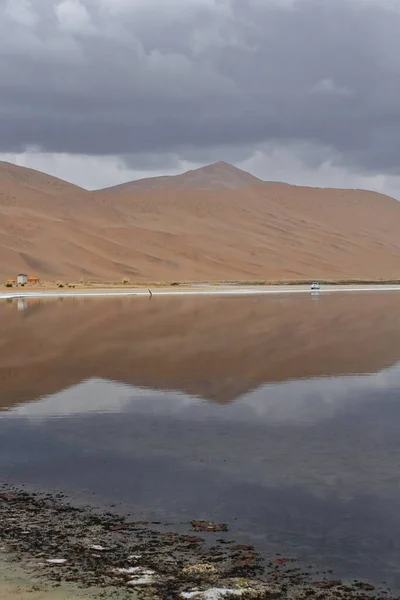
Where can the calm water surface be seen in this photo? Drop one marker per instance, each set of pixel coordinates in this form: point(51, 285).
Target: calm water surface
point(279, 416)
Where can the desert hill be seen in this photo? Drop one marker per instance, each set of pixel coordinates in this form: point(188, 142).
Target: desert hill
point(207, 224)
point(220, 175)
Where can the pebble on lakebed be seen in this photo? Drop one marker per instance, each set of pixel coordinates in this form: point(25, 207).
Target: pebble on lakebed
point(66, 543)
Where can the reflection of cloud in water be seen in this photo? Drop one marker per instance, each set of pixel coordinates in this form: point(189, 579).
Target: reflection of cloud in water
point(100, 396)
point(291, 402)
point(333, 435)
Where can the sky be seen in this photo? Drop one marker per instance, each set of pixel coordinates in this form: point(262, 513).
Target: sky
point(98, 92)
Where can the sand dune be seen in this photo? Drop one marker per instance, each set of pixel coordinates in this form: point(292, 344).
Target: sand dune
point(217, 348)
point(209, 224)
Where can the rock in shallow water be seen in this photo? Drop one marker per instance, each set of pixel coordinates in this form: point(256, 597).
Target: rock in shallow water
point(208, 526)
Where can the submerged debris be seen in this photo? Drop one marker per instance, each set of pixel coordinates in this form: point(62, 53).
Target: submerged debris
point(212, 594)
point(200, 572)
point(56, 561)
point(143, 577)
point(105, 550)
point(98, 548)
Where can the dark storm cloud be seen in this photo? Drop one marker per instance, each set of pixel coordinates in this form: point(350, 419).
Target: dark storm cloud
point(155, 77)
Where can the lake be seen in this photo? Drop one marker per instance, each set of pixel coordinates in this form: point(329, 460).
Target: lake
point(277, 415)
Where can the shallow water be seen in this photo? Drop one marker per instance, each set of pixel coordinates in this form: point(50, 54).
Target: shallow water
point(279, 416)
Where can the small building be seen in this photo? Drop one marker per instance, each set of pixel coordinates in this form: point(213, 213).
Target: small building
point(33, 279)
point(22, 279)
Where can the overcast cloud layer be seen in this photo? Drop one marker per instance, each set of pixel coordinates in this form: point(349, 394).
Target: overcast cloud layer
point(100, 91)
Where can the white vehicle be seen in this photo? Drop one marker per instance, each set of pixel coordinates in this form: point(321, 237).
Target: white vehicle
point(315, 285)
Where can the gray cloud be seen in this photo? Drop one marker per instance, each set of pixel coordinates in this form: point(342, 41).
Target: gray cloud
point(189, 77)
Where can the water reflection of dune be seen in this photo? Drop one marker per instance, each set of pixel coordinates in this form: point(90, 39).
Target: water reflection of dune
point(216, 348)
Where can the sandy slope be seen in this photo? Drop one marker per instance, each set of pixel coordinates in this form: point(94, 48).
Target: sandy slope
point(217, 348)
point(227, 231)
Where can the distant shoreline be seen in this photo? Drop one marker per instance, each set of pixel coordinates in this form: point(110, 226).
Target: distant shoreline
point(200, 289)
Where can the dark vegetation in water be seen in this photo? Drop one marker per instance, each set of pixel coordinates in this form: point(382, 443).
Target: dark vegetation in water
point(66, 543)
